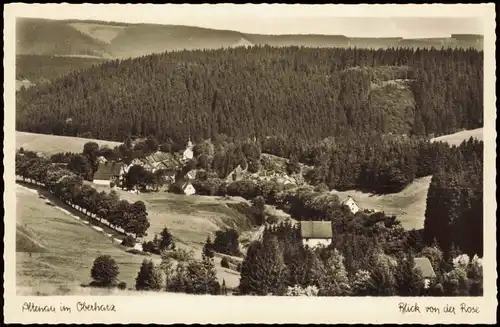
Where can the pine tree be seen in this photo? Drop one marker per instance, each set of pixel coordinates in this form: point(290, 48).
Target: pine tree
point(335, 282)
point(409, 280)
point(165, 240)
point(167, 266)
point(208, 250)
point(263, 271)
point(148, 278)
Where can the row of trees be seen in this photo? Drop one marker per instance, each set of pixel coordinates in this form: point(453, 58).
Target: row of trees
point(355, 265)
point(290, 91)
point(190, 276)
point(69, 187)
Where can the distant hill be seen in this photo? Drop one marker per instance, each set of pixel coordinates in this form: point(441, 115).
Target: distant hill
point(52, 37)
point(89, 41)
point(122, 40)
point(259, 91)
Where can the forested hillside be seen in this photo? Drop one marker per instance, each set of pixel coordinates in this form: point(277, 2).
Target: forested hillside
point(306, 93)
point(40, 69)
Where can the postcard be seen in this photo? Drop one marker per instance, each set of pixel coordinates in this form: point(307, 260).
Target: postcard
point(257, 163)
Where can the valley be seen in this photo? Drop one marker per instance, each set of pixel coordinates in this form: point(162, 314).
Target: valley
point(246, 164)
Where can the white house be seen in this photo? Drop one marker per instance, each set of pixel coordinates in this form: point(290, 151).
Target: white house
point(188, 188)
point(353, 206)
point(188, 153)
point(316, 233)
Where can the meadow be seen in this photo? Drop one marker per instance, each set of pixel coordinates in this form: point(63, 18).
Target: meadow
point(55, 251)
point(459, 137)
point(408, 205)
point(51, 144)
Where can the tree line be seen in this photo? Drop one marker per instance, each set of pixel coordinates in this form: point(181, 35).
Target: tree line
point(359, 262)
point(186, 276)
point(70, 188)
point(306, 93)
point(454, 211)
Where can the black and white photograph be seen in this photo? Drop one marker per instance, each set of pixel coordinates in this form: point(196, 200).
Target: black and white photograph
point(249, 151)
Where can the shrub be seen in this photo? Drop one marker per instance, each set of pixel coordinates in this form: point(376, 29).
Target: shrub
point(238, 267)
point(150, 246)
point(180, 255)
point(112, 184)
point(224, 263)
point(104, 271)
point(298, 290)
point(128, 241)
point(122, 285)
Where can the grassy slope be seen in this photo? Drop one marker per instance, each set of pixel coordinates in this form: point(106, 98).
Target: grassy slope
point(138, 40)
point(190, 218)
point(408, 205)
point(459, 137)
point(56, 239)
point(52, 37)
point(66, 248)
point(50, 144)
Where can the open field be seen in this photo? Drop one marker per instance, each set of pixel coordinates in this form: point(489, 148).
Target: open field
point(408, 205)
point(104, 33)
point(51, 144)
point(63, 250)
point(190, 218)
point(459, 137)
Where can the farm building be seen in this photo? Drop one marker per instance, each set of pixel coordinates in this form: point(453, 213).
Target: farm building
point(316, 233)
point(425, 266)
point(107, 173)
point(353, 206)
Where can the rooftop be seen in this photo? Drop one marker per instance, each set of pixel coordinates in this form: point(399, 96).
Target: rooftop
point(316, 229)
point(106, 170)
point(425, 267)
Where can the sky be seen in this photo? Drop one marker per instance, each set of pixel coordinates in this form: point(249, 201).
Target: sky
point(355, 21)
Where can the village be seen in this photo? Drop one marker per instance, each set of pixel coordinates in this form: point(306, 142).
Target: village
point(161, 157)
point(175, 176)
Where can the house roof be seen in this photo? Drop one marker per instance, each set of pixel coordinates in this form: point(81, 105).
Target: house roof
point(425, 267)
point(316, 229)
point(345, 199)
point(160, 160)
point(106, 170)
